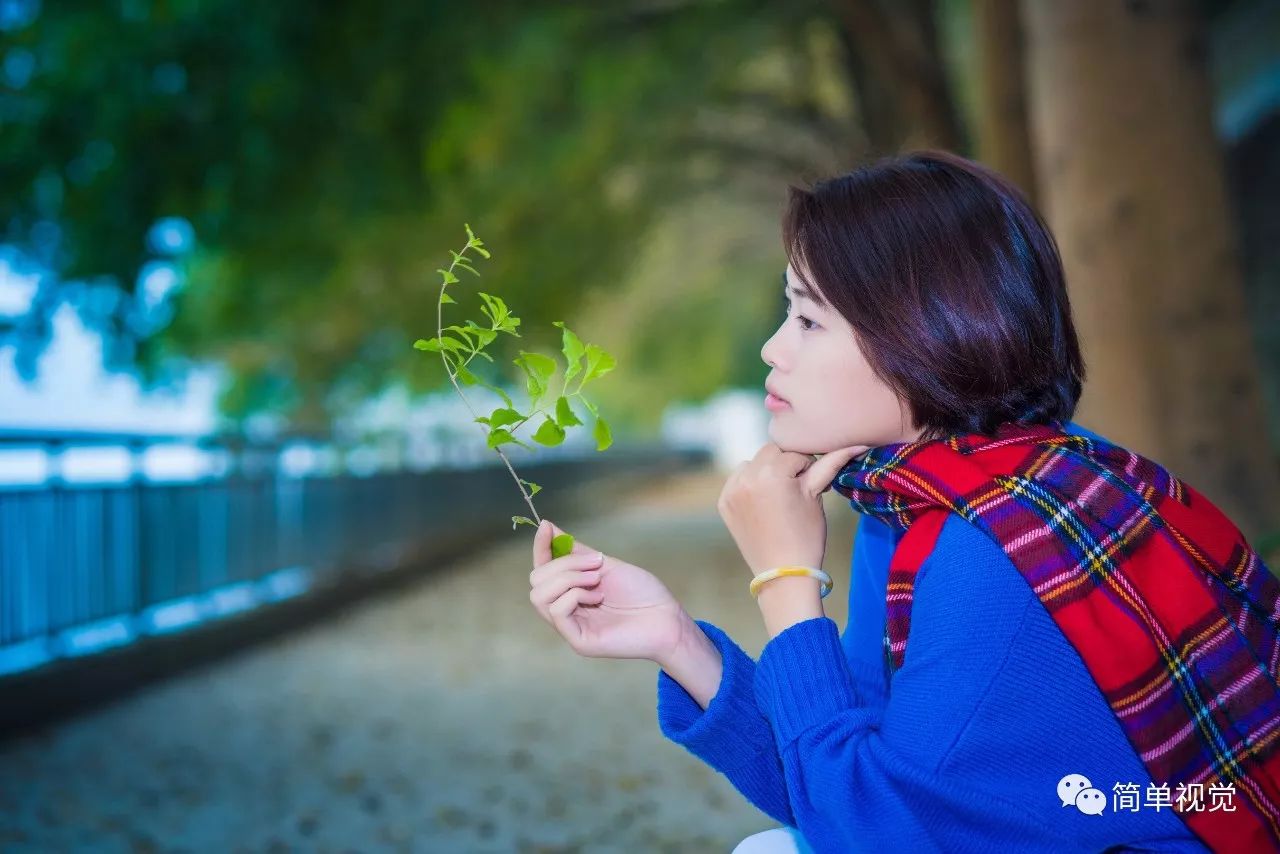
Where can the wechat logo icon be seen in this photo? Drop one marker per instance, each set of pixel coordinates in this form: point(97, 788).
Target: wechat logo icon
point(1076, 790)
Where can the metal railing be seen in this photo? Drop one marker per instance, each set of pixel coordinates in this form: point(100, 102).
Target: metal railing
point(88, 566)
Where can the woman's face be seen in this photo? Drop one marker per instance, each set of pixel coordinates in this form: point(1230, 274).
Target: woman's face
point(834, 400)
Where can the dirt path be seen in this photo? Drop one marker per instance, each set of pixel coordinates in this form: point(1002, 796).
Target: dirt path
point(450, 719)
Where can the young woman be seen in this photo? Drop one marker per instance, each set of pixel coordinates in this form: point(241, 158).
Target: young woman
point(1053, 644)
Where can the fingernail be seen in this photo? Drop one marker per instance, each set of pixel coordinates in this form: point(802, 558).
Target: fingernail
point(599, 557)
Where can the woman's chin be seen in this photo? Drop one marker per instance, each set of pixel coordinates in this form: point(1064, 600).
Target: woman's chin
point(786, 441)
point(776, 435)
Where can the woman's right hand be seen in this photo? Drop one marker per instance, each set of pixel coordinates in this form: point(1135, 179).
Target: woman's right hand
point(609, 610)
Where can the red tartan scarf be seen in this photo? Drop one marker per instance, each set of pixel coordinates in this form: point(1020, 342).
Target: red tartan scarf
point(1172, 612)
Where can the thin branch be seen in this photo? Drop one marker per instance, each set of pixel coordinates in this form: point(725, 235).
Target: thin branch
point(528, 499)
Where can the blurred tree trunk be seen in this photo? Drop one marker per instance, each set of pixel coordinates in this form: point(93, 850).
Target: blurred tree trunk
point(896, 69)
point(1004, 135)
point(1133, 181)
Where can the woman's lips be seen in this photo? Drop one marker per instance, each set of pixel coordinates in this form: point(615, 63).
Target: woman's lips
point(774, 404)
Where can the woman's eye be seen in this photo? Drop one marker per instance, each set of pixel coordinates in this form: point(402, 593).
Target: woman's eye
point(805, 323)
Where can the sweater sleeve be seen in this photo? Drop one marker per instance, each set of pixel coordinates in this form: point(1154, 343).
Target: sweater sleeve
point(730, 735)
point(865, 778)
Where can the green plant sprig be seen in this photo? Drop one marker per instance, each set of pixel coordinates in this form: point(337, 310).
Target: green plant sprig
point(468, 341)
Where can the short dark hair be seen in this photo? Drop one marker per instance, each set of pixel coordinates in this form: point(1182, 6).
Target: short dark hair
point(952, 283)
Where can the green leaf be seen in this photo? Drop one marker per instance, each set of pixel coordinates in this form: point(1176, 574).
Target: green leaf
point(435, 345)
point(599, 362)
point(504, 437)
point(503, 416)
point(445, 299)
point(534, 489)
point(543, 366)
point(475, 380)
point(538, 370)
point(495, 309)
point(466, 377)
point(573, 350)
point(522, 520)
point(561, 545)
point(499, 437)
point(465, 333)
point(535, 388)
point(603, 437)
point(486, 336)
point(475, 243)
point(549, 434)
point(449, 278)
point(496, 303)
point(474, 329)
point(565, 416)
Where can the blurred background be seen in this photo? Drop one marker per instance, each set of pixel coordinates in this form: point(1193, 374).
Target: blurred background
point(259, 585)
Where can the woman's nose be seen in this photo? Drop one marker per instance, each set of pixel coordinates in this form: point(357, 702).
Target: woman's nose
point(769, 351)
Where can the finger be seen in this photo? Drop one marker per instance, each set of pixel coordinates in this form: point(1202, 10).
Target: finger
point(817, 478)
point(542, 543)
point(579, 547)
point(792, 463)
point(562, 611)
point(557, 585)
point(569, 601)
point(548, 530)
point(571, 562)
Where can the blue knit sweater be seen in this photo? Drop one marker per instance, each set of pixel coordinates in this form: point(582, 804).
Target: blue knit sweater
point(990, 710)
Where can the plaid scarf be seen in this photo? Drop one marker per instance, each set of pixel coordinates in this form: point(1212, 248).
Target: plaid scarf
point(1172, 612)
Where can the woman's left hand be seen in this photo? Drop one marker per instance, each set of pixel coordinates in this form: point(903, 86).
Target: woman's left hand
point(772, 505)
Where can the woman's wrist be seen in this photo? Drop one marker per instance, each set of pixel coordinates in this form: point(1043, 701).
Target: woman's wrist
point(694, 662)
point(786, 601)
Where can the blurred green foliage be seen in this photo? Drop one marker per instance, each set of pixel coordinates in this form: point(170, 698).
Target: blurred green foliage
point(325, 156)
